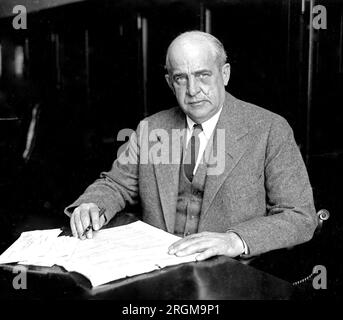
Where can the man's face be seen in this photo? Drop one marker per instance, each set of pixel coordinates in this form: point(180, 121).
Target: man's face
point(196, 79)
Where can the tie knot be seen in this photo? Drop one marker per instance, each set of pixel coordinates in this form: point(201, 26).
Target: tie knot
point(198, 127)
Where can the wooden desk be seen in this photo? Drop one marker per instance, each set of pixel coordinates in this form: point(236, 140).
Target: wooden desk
point(217, 278)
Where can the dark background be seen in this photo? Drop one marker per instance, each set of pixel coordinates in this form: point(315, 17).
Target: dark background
point(92, 68)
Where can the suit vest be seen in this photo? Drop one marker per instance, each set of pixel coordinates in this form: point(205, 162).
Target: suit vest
point(189, 201)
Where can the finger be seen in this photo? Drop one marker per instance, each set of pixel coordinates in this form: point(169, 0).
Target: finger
point(79, 226)
point(102, 221)
point(173, 247)
point(85, 217)
point(89, 234)
point(79, 229)
point(183, 242)
point(194, 247)
point(72, 225)
point(210, 252)
point(94, 213)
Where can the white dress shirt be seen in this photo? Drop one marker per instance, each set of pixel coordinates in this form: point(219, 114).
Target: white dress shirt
point(207, 129)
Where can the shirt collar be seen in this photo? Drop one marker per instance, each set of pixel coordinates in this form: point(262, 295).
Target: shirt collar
point(207, 126)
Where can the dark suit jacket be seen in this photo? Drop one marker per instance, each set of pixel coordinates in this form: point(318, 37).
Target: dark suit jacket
point(263, 193)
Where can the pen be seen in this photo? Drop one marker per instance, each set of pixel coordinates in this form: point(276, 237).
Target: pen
point(101, 213)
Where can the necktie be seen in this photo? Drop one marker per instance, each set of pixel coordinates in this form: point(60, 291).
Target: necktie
point(192, 152)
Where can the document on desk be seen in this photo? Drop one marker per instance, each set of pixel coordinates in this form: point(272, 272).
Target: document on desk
point(124, 251)
point(31, 245)
point(111, 254)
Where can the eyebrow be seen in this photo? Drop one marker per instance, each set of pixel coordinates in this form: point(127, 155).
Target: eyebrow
point(202, 71)
point(194, 73)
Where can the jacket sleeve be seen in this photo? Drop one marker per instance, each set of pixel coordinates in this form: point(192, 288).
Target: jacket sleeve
point(291, 217)
point(117, 187)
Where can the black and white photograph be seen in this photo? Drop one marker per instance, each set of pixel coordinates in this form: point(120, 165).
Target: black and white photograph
point(171, 154)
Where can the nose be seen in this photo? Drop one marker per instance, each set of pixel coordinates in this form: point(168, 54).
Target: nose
point(192, 87)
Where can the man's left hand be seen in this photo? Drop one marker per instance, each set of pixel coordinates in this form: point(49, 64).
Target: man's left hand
point(208, 244)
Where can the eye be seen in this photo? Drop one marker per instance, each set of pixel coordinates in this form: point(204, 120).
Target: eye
point(204, 75)
point(180, 79)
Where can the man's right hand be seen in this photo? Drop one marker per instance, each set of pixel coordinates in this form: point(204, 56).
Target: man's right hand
point(84, 215)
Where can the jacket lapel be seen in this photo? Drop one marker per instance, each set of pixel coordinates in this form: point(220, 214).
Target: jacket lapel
point(233, 129)
point(167, 174)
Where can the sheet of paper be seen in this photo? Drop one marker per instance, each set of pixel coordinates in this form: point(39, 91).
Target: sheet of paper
point(60, 250)
point(124, 251)
point(31, 245)
point(111, 254)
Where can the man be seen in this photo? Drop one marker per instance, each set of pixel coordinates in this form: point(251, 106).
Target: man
point(261, 200)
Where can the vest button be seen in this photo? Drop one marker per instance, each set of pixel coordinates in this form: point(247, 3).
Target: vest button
point(197, 193)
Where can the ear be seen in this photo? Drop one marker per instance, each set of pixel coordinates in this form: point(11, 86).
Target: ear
point(167, 77)
point(226, 71)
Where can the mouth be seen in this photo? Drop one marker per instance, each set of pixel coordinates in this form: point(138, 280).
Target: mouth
point(196, 103)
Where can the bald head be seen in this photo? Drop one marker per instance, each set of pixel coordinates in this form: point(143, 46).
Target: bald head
point(192, 41)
